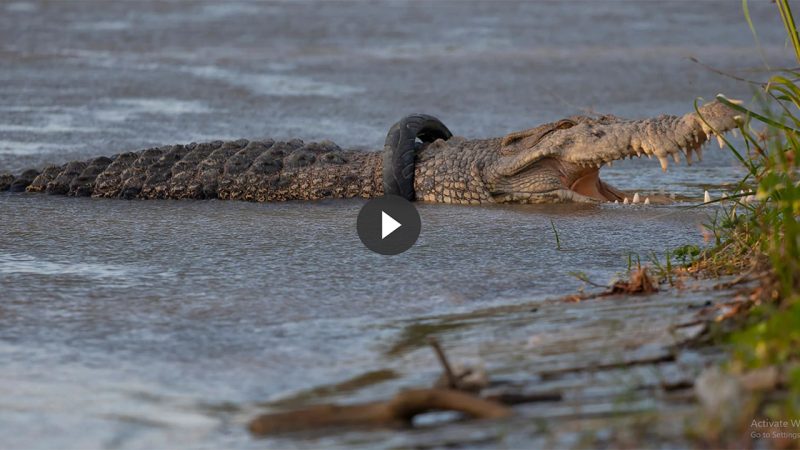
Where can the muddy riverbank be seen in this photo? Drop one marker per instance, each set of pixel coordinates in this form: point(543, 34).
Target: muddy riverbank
point(598, 371)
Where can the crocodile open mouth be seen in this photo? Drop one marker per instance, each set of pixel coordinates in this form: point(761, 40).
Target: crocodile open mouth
point(583, 178)
point(590, 185)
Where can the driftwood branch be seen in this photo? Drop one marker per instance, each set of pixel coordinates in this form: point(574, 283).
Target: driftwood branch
point(397, 412)
point(452, 393)
point(450, 376)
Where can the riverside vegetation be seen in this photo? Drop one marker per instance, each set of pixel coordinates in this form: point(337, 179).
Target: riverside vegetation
point(759, 242)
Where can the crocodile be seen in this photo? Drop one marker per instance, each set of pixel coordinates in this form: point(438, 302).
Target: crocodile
point(554, 162)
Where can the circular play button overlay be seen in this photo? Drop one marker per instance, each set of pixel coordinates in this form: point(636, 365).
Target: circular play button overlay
point(388, 225)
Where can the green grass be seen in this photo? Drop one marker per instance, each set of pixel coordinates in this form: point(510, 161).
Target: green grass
point(763, 237)
point(555, 232)
point(769, 228)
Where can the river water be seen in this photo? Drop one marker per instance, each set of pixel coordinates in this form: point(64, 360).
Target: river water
point(128, 324)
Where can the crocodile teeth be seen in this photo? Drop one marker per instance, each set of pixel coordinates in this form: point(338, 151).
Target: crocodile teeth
point(625, 202)
point(720, 141)
point(688, 157)
point(664, 163)
point(616, 202)
point(735, 133)
point(706, 197)
point(699, 151)
point(676, 157)
point(635, 198)
point(647, 200)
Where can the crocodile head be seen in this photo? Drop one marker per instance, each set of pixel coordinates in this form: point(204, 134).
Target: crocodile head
point(562, 160)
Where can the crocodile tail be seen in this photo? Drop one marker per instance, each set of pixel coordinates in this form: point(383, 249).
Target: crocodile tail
point(245, 170)
point(400, 151)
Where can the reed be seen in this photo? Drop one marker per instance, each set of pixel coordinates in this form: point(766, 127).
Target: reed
point(761, 236)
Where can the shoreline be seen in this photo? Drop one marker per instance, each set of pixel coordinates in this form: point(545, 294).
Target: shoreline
point(646, 354)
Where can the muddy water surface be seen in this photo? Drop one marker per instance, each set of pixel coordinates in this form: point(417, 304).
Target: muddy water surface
point(163, 324)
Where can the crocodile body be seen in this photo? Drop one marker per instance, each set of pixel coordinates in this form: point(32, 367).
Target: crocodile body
point(559, 161)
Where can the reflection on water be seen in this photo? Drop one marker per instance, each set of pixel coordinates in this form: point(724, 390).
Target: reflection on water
point(25, 264)
point(276, 85)
point(160, 324)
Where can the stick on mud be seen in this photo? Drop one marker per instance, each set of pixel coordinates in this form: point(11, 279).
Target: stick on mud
point(452, 379)
point(397, 412)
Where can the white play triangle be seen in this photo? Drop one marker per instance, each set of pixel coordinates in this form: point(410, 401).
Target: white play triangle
point(388, 225)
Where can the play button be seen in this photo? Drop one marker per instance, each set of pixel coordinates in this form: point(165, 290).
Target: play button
point(388, 225)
